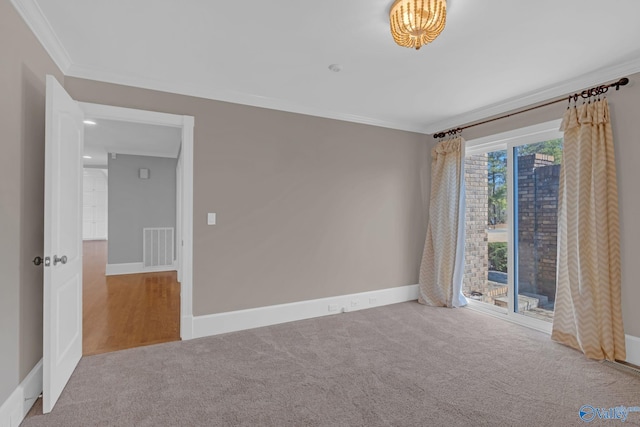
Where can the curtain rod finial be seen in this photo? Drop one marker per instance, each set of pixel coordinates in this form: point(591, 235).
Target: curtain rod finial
point(622, 82)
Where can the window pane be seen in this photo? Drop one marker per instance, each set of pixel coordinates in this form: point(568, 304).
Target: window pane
point(485, 276)
point(536, 229)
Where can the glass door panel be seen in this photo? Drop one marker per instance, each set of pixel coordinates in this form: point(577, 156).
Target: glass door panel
point(536, 173)
point(487, 236)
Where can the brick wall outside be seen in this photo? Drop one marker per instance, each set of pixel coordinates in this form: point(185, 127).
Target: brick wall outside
point(477, 197)
point(538, 180)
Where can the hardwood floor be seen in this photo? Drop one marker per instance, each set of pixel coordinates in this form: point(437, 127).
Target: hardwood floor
point(126, 311)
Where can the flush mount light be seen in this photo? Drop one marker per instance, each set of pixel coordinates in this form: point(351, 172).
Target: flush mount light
point(89, 122)
point(86, 157)
point(415, 23)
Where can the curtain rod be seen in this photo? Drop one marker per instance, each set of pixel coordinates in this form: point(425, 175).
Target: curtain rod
point(594, 91)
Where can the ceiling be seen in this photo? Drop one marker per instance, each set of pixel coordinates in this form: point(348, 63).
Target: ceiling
point(493, 56)
point(112, 136)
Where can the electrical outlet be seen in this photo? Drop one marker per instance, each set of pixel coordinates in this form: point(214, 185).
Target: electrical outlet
point(333, 307)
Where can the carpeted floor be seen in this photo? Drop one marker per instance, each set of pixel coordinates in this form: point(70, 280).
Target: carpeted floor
point(399, 365)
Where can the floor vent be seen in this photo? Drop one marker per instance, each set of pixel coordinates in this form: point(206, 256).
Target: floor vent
point(157, 247)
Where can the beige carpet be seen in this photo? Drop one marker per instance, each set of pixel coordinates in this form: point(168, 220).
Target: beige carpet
point(399, 365)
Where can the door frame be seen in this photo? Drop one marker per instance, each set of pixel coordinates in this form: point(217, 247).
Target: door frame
point(507, 141)
point(185, 228)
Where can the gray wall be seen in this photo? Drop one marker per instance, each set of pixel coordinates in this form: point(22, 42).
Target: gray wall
point(307, 207)
point(136, 203)
point(626, 129)
point(23, 66)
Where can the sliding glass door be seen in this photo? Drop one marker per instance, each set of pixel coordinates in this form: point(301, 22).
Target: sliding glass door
point(511, 223)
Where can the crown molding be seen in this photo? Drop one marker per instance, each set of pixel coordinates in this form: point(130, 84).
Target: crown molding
point(35, 19)
point(183, 88)
point(39, 25)
point(562, 89)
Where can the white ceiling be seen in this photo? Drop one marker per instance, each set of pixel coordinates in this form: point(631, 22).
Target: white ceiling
point(111, 136)
point(493, 56)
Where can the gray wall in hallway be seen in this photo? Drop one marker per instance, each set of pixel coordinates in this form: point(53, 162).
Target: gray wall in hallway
point(136, 203)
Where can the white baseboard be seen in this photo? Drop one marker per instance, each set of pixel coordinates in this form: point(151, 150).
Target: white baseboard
point(633, 349)
point(134, 268)
point(16, 407)
point(214, 324)
point(186, 328)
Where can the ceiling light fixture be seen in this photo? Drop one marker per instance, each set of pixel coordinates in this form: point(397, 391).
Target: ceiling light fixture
point(417, 22)
point(86, 157)
point(88, 122)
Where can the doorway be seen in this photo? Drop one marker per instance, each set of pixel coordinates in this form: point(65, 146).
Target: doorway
point(183, 206)
point(131, 294)
point(511, 194)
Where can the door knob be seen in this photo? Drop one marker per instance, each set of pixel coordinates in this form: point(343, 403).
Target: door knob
point(62, 259)
point(37, 260)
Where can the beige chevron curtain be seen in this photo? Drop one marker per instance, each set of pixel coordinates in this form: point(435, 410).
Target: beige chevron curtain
point(588, 313)
point(442, 267)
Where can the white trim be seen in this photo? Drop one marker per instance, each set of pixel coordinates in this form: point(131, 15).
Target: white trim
point(39, 25)
point(186, 123)
point(110, 112)
point(633, 349)
point(178, 241)
point(526, 135)
point(185, 88)
point(220, 323)
point(537, 96)
point(564, 88)
point(186, 267)
point(135, 268)
point(16, 407)
point(512, 209)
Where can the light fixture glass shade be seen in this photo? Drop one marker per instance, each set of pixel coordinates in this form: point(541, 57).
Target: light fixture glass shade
point(417, 22)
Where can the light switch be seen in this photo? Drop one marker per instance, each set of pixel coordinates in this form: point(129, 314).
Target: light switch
point(211, 218)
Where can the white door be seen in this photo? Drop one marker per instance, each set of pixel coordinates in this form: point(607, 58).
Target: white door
point(62, 335)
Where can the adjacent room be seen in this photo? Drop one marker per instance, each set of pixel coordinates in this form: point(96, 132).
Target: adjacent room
point(131, 294)
point(361, 213)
